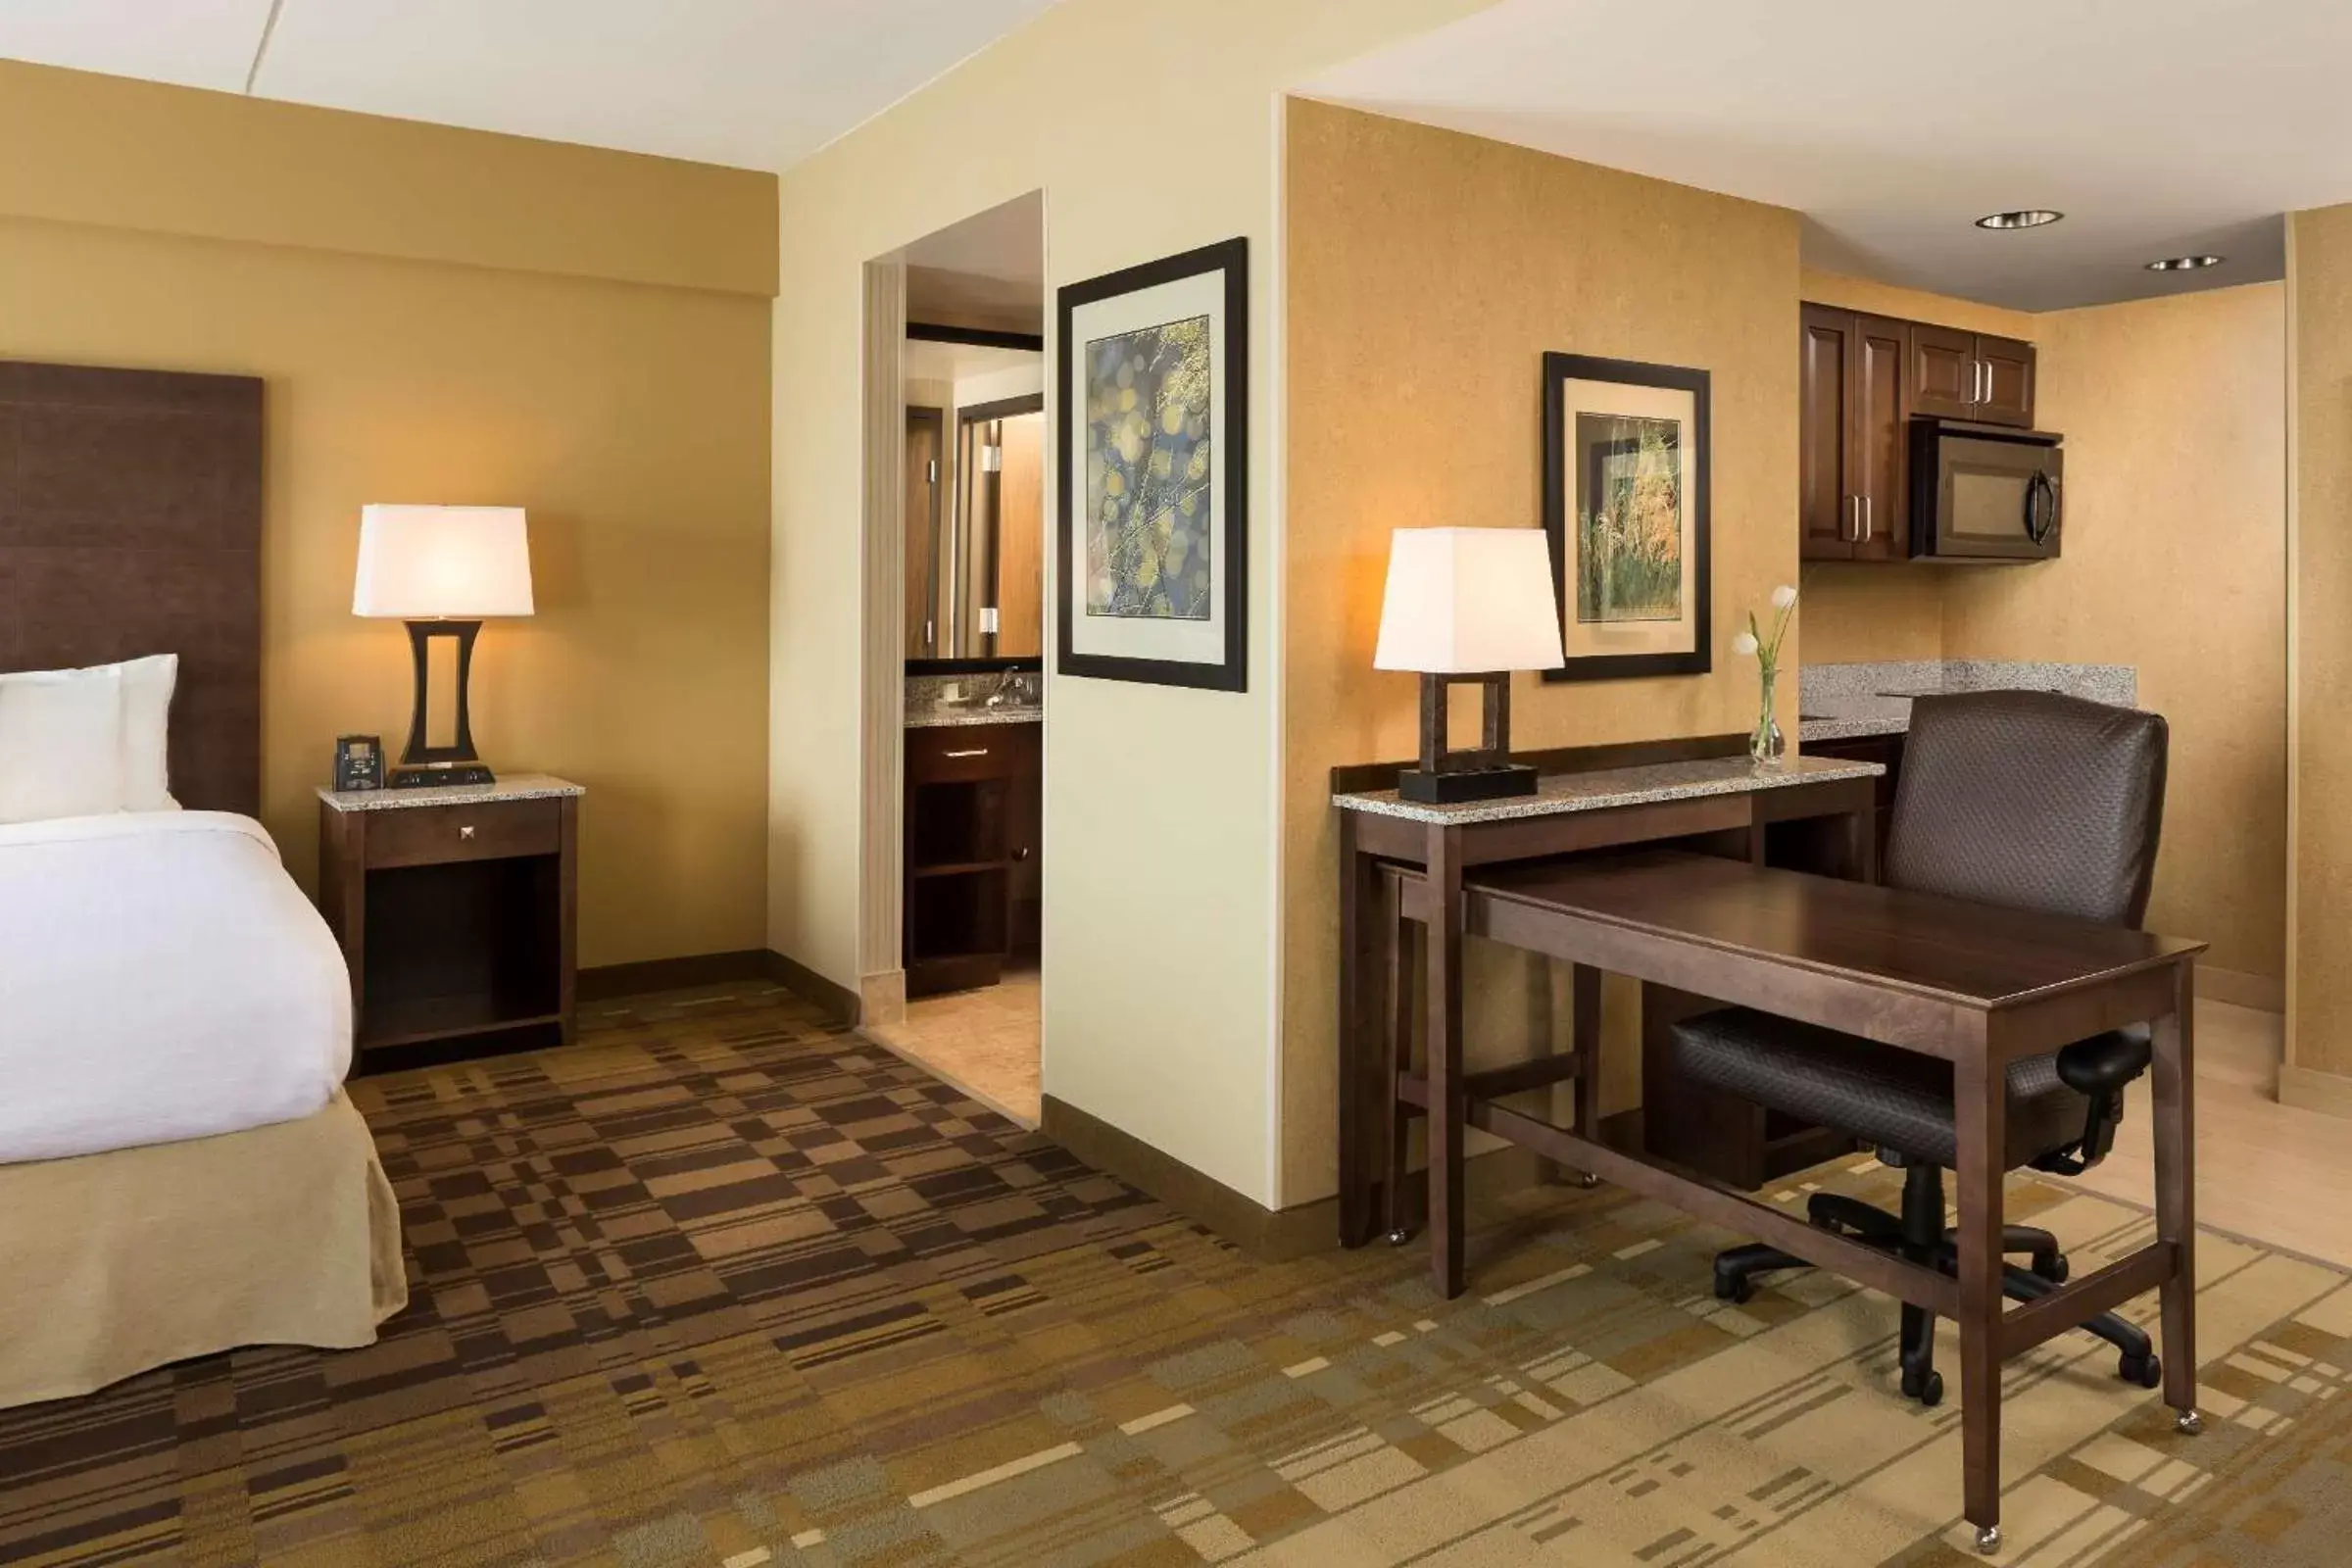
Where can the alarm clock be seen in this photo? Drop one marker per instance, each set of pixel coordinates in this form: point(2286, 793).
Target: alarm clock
point(359, 763)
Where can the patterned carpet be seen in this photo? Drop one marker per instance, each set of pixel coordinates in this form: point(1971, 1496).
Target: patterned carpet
point(720, 1287)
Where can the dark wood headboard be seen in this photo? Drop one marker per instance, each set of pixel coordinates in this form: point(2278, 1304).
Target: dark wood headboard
point(131, 523)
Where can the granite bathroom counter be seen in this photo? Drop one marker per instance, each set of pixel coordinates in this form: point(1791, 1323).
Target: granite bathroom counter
point(1606, 788)
point(1841, 701)
point(961, 718)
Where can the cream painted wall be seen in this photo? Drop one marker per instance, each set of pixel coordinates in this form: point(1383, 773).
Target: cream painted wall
point(1430, 272)
point(523, 346)
point(1161, 883)
point(2175, 417)
point(2319, 1028)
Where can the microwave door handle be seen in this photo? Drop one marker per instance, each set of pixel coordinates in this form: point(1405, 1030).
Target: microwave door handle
point(2038, 487)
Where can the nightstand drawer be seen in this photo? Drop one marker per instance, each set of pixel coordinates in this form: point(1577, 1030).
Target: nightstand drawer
point(435, 835)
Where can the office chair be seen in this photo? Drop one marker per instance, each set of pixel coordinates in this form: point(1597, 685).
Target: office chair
point(2026, 799)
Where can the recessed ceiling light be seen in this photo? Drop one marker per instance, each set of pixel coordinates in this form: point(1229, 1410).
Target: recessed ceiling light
point(2185, 264)
point(2022, 218)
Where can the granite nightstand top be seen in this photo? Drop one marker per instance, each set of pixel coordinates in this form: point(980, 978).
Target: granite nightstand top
point(513, 787)
point(1604, 788)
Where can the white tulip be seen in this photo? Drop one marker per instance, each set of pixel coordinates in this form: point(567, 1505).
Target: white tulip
point(1783, 597)
point(1744, 643)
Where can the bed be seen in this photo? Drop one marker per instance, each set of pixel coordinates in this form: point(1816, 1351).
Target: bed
point(180, 1172)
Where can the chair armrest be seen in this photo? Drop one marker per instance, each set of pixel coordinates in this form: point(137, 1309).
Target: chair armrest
point(2102, 1064)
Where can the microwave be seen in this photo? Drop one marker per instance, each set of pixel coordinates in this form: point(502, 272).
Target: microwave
point(1984, 492)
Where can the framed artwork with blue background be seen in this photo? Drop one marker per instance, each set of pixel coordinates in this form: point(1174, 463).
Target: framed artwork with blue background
point(1152, 395)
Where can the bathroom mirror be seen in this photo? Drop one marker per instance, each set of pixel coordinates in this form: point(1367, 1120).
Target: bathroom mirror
point(975, 529)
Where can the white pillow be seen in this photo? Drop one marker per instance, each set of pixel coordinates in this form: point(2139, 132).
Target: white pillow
point(61, 744)
point(146, 731)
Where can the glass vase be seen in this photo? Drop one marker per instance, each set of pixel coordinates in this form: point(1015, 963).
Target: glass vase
point(1767, 746)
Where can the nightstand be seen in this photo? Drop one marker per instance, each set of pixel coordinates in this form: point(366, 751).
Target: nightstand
point(455, 907)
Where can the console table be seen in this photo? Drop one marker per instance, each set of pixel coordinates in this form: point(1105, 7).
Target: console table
point(1621, 796)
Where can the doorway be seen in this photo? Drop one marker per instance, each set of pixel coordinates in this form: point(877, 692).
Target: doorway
point(970, 518)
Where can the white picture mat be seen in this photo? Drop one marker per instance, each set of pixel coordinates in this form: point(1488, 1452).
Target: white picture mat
point(1589, 639)
point(1190, 642)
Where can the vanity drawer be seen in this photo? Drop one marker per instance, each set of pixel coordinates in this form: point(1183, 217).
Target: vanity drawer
point(491, 830)
point(956, 753)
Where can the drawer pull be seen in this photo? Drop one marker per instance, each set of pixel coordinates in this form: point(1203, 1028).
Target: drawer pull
point(977, 751)
point(466, 831)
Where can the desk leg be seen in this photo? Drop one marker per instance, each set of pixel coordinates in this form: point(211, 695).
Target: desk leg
point(1443, 934)
point(1397, 1056)
point(1980, 1105)
point(1364, 1104)
point(2174, 1076)
point(1584, 990)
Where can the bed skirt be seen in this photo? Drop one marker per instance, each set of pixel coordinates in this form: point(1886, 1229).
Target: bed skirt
point(119, 1262)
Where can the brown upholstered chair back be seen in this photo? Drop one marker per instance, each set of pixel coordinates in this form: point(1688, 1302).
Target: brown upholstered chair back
point(2031, 801)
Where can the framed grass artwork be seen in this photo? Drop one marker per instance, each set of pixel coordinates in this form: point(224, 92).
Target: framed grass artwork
point(1152, 399)
point(1625, 503)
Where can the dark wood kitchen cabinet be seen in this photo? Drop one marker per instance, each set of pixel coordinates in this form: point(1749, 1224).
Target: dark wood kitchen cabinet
point(1971, 375)
point(972, 831)
point(1853, 389)
point(1861, 378)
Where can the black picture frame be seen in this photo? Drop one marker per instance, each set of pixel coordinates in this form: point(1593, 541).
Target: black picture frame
point(1232, 674)
point(1559, 371)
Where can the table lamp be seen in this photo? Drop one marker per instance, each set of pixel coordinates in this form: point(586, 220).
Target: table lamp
point(1467, 606)
point(442, 569)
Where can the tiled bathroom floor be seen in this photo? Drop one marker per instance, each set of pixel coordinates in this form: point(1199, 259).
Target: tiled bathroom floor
point(985, 1042)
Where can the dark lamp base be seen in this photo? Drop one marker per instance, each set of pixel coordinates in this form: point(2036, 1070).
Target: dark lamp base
point(440, 775)
point(1497, 783)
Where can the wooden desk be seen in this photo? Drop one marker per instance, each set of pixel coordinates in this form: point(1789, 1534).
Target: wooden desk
point(1591, 799)
point(1975, 985)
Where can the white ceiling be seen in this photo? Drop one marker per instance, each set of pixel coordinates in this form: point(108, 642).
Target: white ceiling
point(755, 83)
point(2158, 127)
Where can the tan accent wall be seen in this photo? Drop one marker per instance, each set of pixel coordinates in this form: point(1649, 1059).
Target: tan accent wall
point(2174, 412)
point(506, 341)
point(108, 149)
point(1429, 273)
point(2318, 1027)
point(1876, 611)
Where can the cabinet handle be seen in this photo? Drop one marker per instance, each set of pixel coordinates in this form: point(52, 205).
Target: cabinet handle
point(1868, 529)
point(466, 831)
point(1985, 381)
point(977, 751)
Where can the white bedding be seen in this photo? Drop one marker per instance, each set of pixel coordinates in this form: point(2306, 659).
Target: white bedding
point(161, 978)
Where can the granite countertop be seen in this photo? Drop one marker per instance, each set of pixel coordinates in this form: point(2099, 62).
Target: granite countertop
point(959, 718)
point(1618, 786)
point(1841, 702)
point(513, 787)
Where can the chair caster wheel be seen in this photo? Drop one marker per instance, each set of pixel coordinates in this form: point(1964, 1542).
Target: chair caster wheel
point(1989, 1540)
point(2188, 1423)
point(2145, 1370)
point(1399, 1237)
point(2054, 1268)
point(1927, 1390)
point(1586, 1180)
point(1738, 1289)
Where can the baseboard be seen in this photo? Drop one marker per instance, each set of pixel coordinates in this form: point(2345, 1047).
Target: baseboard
point(1272, 1236)
point(2240, 989)
point(2309, 1089)
point(838, 1001)
point(607, 981)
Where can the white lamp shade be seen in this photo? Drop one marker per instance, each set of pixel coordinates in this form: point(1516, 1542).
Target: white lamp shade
point(442, 562)
point(1469, 602)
